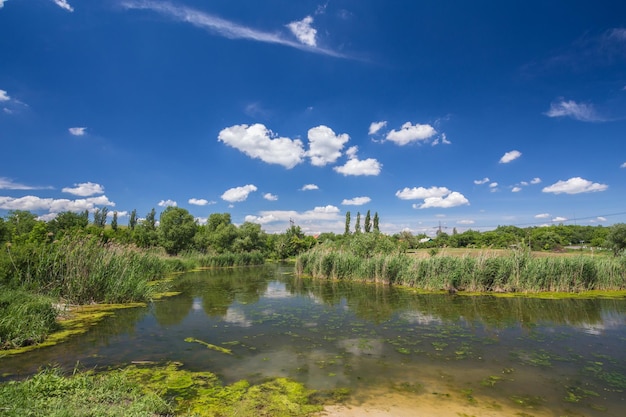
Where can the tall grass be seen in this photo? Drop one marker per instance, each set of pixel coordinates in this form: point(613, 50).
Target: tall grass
point(25, 319)
point(518, 272)
point(81, 270)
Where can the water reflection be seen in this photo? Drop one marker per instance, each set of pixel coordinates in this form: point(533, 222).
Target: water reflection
point(547, 356)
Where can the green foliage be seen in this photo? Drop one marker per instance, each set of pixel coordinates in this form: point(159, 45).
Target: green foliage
point(368, 222)
point(100, 217)
point(346, 231)
point(357, 225)
point(177, 227)
point(67, 222)
point(616, 239)
point(132, 221)
point(376, 222)
point(25, 318)
point(114, 221)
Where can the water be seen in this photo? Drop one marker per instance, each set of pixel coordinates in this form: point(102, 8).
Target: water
point(481, 354)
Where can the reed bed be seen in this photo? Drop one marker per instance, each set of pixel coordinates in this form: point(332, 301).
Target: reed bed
point(517, 272)
point(230, 259)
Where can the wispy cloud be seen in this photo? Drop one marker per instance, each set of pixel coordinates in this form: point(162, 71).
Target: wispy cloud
point(303, 30)
point(167, 203)
point(8, 184)
point(78, 131)
point(310, 187)
point(64, 5)
point(228, 29)
point(578, 111)
point(356, 201)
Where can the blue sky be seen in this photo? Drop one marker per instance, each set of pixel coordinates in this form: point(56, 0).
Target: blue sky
point(465, 114)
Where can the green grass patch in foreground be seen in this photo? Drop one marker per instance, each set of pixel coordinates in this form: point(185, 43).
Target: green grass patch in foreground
point(153, 391)
point(25, 319)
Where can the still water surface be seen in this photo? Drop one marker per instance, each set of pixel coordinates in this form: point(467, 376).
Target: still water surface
point(494, 355)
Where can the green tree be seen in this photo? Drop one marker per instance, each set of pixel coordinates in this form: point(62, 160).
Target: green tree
point(145, 234)
point(100, 217)
point(250, 237)
point(132, 221)
point(376, 222)
point(114, 221)
point(347, 229)
point(177, 228)
point(357, 226)
point(4, 231)
point(67, 221)
point(20, 223)
point(218, 235)
point(616, 239)
point(368, 222)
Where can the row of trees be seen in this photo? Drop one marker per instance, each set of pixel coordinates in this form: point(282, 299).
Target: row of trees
point(177, 231)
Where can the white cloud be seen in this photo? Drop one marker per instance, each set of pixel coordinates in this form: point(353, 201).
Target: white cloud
point(355, 166)
point(223, 27)
point(257, 141)
point(198, 201)
point(34, 203)
point(493, 185)
point(4, 96)
point(64, 5)
point(542, 216)
point(466, 222)
point(559, 219)
point(510, 156)
point(578, 111)
point(453, 199)
point(325, 213)
point(167, 203)
point(411, 133)
point(483, 181)
point(78, 131)
point(324, 145)
point(421, 193)
point(238, 194)
point(376, 126)
point(309, 187)
point(535, 180)
point(303, 31)
point(601, 219)
point(270, 197)
point(84, 189)
point(623, 165)
point(575, 185)
point(120, 214)
point(443, 139)
point(440, 197)
point(8, 184)
point(356, 201)
point(516, 189)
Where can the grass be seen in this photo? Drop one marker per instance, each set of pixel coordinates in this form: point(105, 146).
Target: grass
point(516, 271)
point(25, 319)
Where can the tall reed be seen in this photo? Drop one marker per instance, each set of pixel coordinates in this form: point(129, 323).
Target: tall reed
point(518, 272)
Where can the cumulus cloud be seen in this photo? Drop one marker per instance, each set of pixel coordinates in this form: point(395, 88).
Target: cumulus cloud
point(84, 189)
point(198, 201)
point(78, 131)
point(483, 181)
point(309, 187)
point(516, 189)
point(238, 194)
point(323, 213)
point(411, 133)
point(167, 203)
point(440, 197)
point(34, 203)
point(270, 197)
point(356, 201)
point(575, 185)
point(578, 111)
point(421, 193)
point(4, 96)
point(559, 219)
point(303, 30)
point(376, 126)
point(510, 156)
point(453, 199)
point(535, 180)
point(259, 142)
point(493, 185)
point(542, 216)
point(226, 28)
point(355, 166)
point(324, 145)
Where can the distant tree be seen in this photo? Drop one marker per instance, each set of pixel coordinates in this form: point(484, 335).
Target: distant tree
point(347, 229)
point(145, 234)
point(357, 226)
point(616, 239)
point(376, 222)
point(4, 231)
point(368, 222)
point(250, 237)
point(66, 221)
point(20, 223)
point(150, 220)
point(100, 217)
point(114, 221)
point(132, 221)
point(177, 228)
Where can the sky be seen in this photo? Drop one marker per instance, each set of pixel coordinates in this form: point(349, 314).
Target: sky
point(453, 114)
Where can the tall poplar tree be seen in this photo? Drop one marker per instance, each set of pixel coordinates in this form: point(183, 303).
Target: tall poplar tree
point(347, 230)
point(368, 222)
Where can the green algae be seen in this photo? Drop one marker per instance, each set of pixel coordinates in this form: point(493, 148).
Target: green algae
point(209, 345)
